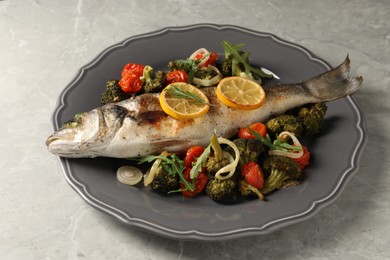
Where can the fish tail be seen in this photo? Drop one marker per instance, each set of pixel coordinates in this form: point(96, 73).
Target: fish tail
point(333, 84)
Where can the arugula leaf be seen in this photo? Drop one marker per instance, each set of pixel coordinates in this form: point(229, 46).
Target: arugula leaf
point(277, 144)
point(200, 162)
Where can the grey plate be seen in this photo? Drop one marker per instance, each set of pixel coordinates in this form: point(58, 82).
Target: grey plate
point(335, 154)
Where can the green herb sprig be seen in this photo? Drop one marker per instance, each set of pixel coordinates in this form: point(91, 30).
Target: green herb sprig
point(176, 92)
point(171, 164)
point(277, 144)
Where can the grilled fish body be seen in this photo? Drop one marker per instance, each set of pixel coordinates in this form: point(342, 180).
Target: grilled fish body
point(138, 126)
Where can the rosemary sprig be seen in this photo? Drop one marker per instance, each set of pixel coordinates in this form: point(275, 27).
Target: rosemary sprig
point(176, 92)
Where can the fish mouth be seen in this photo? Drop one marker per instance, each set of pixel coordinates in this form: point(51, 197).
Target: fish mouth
point(62, 145)
point(66, 143)
point(64, 135)
point(60, 136)
point(63, 148)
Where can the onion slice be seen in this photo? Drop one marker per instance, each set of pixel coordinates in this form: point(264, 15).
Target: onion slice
point(151, 173)
point(290, 154)
point(209, 82)
point(195, 53)
point(129, 175)
point(231, 167)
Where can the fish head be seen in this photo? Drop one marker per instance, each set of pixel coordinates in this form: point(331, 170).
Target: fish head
point(87, 133)
point(72, 139)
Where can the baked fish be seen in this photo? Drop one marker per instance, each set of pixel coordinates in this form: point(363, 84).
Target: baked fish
point(138, 126)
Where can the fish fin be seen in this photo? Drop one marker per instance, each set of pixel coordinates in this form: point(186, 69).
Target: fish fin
point(333, 84)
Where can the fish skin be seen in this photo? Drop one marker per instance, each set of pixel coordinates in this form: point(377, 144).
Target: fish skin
point(138, 126)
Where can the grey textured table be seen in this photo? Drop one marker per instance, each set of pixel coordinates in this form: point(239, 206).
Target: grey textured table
point(43, 43)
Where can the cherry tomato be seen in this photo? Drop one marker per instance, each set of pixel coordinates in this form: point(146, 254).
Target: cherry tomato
point(253, 175)
point(257, 127)
point(211, 60)
point(131, 83)
point(133, 68)
point(176, 76)
point(199, 56)
point(303, 161)
point(200, 184)
point(192, 154)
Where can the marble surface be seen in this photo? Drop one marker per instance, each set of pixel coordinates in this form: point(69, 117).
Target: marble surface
point(44, 43)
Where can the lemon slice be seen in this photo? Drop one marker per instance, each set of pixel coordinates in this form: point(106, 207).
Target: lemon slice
point(240, 93)
point(184, 101)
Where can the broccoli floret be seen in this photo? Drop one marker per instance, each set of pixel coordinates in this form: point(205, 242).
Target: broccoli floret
point(250, 150)
point(312, 117)
point(186, 65)
point(216, 160)
point(305, 120)
point(236, 63)
point(221, 190)
point(113, 93)
point(226, 67)
point(153, 82)
point(213, 164)
point(231, 67)
point(282, 172)
point(164, 182)
point(285, 122)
